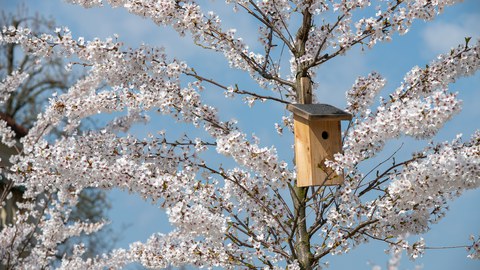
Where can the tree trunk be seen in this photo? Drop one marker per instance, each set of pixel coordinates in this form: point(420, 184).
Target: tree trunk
point(302, 241)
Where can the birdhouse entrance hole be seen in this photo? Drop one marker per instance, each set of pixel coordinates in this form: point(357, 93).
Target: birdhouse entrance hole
point(325, 135)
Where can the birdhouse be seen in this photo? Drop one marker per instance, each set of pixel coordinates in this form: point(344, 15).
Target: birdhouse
point(317, 138)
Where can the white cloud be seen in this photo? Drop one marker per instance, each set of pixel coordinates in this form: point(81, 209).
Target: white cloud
point(440, 37)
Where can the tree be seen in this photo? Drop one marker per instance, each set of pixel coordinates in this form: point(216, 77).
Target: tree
point(252, 214)
point(19, 110)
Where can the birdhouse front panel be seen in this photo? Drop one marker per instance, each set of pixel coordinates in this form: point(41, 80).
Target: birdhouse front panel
point(316, 141)
point(326, 139)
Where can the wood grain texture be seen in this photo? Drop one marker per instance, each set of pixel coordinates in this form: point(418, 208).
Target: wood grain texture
point(303, 155)
point(312, 149)
point(323, 149)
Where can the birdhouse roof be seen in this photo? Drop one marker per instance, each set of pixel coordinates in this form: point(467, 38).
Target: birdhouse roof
point(318, 112)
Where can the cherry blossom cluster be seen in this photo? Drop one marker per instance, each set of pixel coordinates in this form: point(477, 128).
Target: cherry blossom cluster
point(117, 259)
point(418, 108)
point(106, 160)
point(474, 249)
point(396, 16)
point(362, 94)
point(265, 213)
point(336, 37)
point(420, 118)
point(7, 134)
point(287, 122)
point(454, 164)
point(10, 84)
point(124, 123)
point(49, 228)
point(396, 247)
point(417, 249)
point(461, 61)
point(113, 69)
point(262, 160)
point(179, 249)
point(407, 207)
point(316, 43)
point(205, 28)
point(447, 170)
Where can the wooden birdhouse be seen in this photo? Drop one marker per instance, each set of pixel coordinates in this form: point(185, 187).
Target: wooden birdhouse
point(317, 138)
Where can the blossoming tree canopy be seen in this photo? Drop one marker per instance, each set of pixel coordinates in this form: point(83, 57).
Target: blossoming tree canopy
point(252, 214)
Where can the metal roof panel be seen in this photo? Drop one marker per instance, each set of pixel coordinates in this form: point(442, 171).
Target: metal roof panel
point(318, 112)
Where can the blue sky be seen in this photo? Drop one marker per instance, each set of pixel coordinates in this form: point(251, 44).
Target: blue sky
point(420, 46)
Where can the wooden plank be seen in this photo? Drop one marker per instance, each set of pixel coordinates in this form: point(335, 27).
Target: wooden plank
point(316, 141)
point(302, 152)
point(325, 140)
point(305, 91)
